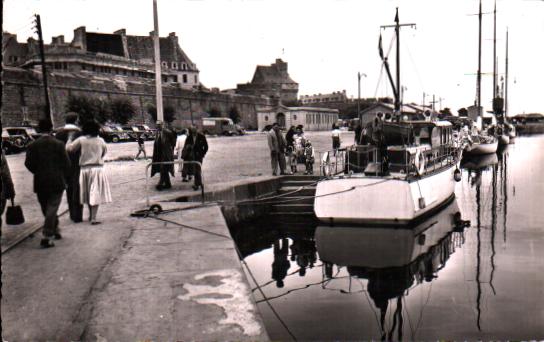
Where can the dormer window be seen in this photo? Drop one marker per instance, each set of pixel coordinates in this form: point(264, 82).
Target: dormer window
point(183, 66)
point(174, 65)
point(164, 64)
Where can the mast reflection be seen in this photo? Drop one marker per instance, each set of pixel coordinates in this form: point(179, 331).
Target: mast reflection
point(392, 260)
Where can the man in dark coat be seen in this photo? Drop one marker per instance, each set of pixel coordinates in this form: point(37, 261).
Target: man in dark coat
point(48, 160)
point(163, 151)
point(71, 131)
point(199, 145)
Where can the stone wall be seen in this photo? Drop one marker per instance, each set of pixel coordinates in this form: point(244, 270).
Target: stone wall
point(23, 88)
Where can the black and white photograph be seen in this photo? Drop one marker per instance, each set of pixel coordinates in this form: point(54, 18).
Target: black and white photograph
point(272, 170)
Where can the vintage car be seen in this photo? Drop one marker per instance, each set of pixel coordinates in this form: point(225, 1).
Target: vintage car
point(114, 134)
point(16, 139)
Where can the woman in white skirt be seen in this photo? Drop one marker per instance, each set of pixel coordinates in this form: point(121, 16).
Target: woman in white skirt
point(93, 183)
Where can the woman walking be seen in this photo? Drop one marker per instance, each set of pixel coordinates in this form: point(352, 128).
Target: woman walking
point(94, 185)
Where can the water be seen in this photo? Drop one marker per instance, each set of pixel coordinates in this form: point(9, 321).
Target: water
point(437, 281)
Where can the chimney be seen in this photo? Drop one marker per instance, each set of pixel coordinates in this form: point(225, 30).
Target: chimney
point(172, 36)
point(57, 40)
point(80, 38)
point(281, 65)
point(122, 32)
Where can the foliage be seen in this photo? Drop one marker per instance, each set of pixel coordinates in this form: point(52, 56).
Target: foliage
point(89, 108)
point(463, 112)
point(122, 110)
point(214, 112)
point(235, 115)
point(168, 112)
point(446, 111)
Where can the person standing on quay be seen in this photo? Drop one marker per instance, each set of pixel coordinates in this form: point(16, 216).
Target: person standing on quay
point(47, 159)
point(335, 138)
point(93, 182)
point(163, 151)
point(71, 131)
point(7, 190)
point(276, 144)
point(141, 146)
point(180, 145)
point(199, 145)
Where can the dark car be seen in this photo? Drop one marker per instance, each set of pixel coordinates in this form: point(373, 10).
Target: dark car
point(114, 134)
point(133, 132)
point(16, 139)
point(148, 133)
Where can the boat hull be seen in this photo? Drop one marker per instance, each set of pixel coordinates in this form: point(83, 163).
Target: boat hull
point(479, 149)
point(382, 200)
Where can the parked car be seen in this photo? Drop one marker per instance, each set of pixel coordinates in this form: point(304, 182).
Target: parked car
point(16, 139)
point(113, 133)
point(221, 126)
point(132, 132)
point(145, 130)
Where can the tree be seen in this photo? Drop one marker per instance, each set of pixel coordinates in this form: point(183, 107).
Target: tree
point(446, 112)
point(122, 110)
point(463, 112)
point(235, 115)
point(89, 108)
point(168, 112)
point(214, 112)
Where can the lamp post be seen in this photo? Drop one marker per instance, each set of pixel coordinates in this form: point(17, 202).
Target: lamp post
point(359, 74)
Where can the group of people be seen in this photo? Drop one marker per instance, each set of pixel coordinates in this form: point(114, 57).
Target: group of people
point(189, 148)
point(71, 160)
point(294, 146)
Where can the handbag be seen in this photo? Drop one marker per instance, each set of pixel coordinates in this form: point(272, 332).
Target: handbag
point(14, 215)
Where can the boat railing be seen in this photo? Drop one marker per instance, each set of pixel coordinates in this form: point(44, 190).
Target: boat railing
point(367, 159)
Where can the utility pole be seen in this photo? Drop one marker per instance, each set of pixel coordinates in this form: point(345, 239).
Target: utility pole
point(495, 51)
point(38, 28)
point(359, 74)
point(158, 74)
point(506, 79)
point(479, 77)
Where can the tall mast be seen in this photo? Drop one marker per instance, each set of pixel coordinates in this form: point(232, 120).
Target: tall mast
point(495, 51)
point(397, 31)
point(506, 80)
point(479, 76)
point(158, 73)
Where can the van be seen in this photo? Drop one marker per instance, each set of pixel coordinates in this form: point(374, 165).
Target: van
point(221, 126)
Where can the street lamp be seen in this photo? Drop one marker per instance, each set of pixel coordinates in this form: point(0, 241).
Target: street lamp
point(359, 74)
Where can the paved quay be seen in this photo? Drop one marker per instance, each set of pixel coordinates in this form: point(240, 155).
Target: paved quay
point(137, 278)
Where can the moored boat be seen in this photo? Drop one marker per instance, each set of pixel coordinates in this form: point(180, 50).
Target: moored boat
point(407, 170)
point(482, 144)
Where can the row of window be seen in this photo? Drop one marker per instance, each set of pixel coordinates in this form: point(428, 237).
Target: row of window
point(174, 65)
point(325, 99)
point(124, 72)
point(319, 118)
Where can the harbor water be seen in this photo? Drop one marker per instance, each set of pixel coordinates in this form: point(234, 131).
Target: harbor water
point(475, 270)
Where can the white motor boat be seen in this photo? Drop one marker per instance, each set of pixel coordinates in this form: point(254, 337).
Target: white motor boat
point(482, 144)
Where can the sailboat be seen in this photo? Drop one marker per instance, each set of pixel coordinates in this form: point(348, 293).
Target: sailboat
point(481, 143)
point(406, 171)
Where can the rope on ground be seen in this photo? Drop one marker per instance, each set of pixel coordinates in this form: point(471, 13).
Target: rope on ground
point(251, 201)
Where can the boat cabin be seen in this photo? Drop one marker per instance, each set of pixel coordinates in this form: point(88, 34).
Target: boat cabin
point(403, 148)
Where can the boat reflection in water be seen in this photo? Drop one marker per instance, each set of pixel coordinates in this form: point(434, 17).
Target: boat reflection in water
point(392, 260)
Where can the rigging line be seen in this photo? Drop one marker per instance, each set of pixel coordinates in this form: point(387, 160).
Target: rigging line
point(424, 305)
point(263, 295)
point(370, 305)
point(293, 290)
point(191, 227)
point(406, 47)
point(409, 319)
point(288, 275)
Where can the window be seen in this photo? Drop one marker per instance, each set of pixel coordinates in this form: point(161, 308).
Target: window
point(184, 78)
point(266, 118)
point(294, 116)
point(174, 65)
point(164, 64)
point(183, 66)
point(196, 79)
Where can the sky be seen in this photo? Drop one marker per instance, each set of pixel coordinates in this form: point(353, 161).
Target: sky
point(327, 42)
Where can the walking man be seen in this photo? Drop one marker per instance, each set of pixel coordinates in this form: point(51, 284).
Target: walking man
point(277, 145)
point(200, 148)
point(71, 132)
point(48, 160)
point(163, 151)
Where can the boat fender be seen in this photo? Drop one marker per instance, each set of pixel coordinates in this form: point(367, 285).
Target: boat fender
point(325, 160)
point(457, 175)
point(419, 162)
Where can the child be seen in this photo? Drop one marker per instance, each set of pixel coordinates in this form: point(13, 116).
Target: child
point(309, 156)
point(292, 158)
point(141, 147)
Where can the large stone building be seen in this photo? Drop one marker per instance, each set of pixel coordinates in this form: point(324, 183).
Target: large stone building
point(332, 100)
point(116, 54)
point(271, 81)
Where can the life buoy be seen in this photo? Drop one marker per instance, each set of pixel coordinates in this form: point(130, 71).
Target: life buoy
point(419, 162)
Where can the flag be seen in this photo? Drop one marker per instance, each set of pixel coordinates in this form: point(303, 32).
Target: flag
point(397, 16)
point(380, 47)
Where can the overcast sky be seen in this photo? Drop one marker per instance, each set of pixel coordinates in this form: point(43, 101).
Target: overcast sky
point(326, 42)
